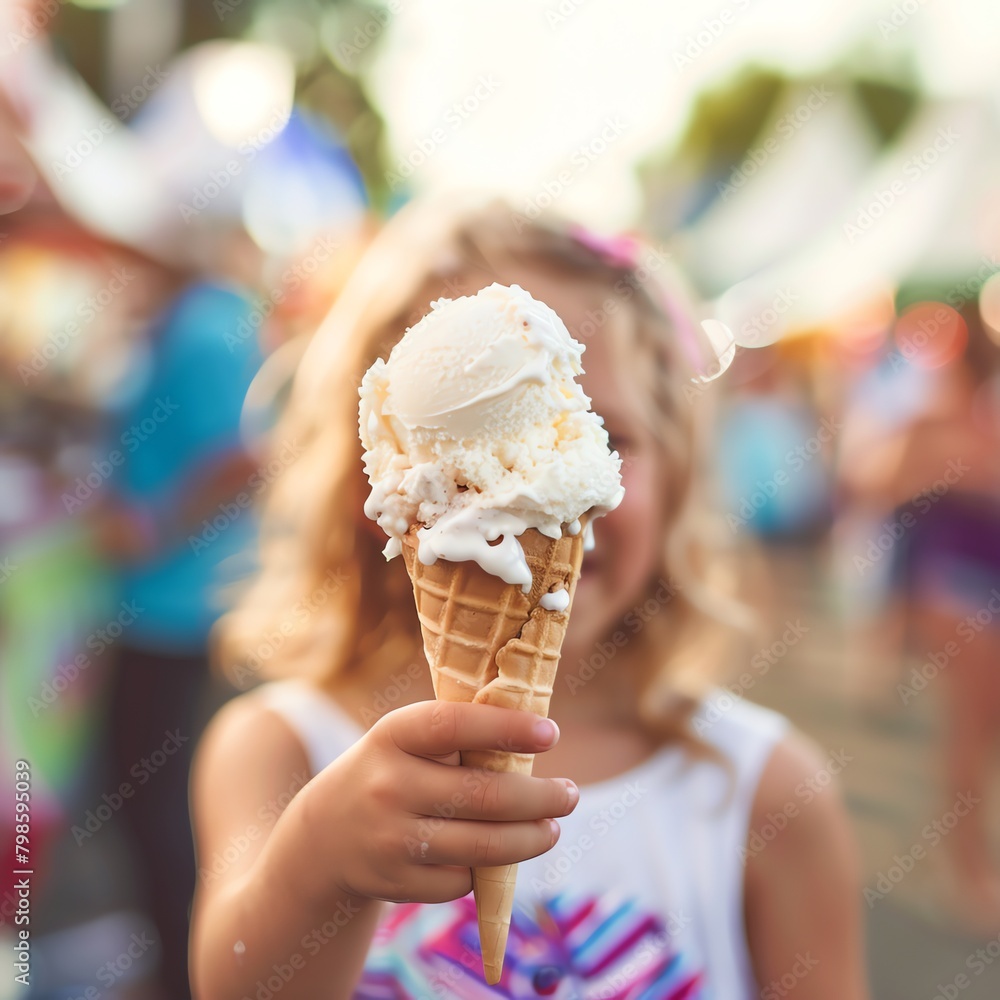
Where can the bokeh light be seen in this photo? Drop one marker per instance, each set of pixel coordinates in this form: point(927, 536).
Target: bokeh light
point(244, 91)
point(930, 334)
point(989, 307)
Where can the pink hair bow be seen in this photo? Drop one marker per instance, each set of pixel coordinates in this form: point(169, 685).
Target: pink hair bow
point(618, 251)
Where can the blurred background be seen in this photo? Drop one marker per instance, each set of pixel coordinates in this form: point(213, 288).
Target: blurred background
point(186, 186)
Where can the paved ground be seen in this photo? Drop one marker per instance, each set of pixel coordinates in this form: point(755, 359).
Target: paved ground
point(837, 689)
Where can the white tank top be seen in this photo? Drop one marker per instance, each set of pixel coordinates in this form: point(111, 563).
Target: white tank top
point(642, 896)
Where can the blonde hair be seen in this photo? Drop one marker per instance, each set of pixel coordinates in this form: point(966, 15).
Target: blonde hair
point(325, 605)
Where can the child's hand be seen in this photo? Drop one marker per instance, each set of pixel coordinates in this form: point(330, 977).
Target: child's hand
point(398, 818)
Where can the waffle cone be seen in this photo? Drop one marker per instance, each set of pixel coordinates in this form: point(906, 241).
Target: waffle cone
point(488, 642)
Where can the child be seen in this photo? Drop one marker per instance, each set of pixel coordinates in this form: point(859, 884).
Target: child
point(652, 888)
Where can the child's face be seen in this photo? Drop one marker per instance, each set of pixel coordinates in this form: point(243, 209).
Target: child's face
point(629, 539)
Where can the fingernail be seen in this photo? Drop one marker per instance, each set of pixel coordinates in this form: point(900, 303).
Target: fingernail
point(572, 793)
point(554, 830)
point(545, 732)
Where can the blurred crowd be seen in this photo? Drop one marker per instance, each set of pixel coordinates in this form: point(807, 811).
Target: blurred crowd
point(146, 273)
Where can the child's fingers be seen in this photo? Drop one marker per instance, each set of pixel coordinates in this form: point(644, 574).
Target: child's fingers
point(438, 729)
point(469, 793)
point(475, 845)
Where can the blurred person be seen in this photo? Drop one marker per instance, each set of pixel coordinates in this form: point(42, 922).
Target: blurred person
point(686, 906)
point(884, 396)
point(179, 519)
point(772, 460)
point(938, 478)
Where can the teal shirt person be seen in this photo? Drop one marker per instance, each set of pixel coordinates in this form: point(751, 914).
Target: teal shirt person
point(185, 464)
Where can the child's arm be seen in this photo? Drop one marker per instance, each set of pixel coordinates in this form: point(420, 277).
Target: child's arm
point(802, 898)
point(246, 919)
point(297, 898)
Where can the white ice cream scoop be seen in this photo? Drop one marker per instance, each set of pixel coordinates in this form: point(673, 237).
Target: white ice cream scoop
point(476, 429)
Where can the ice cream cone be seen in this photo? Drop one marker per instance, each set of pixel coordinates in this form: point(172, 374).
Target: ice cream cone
point(487, 641)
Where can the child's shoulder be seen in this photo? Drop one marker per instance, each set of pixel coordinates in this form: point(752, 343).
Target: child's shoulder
point(246, 735)
point(799, 787)
point(287, 716)
point(787, 772)
point(743, 732)
point(248, 767)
